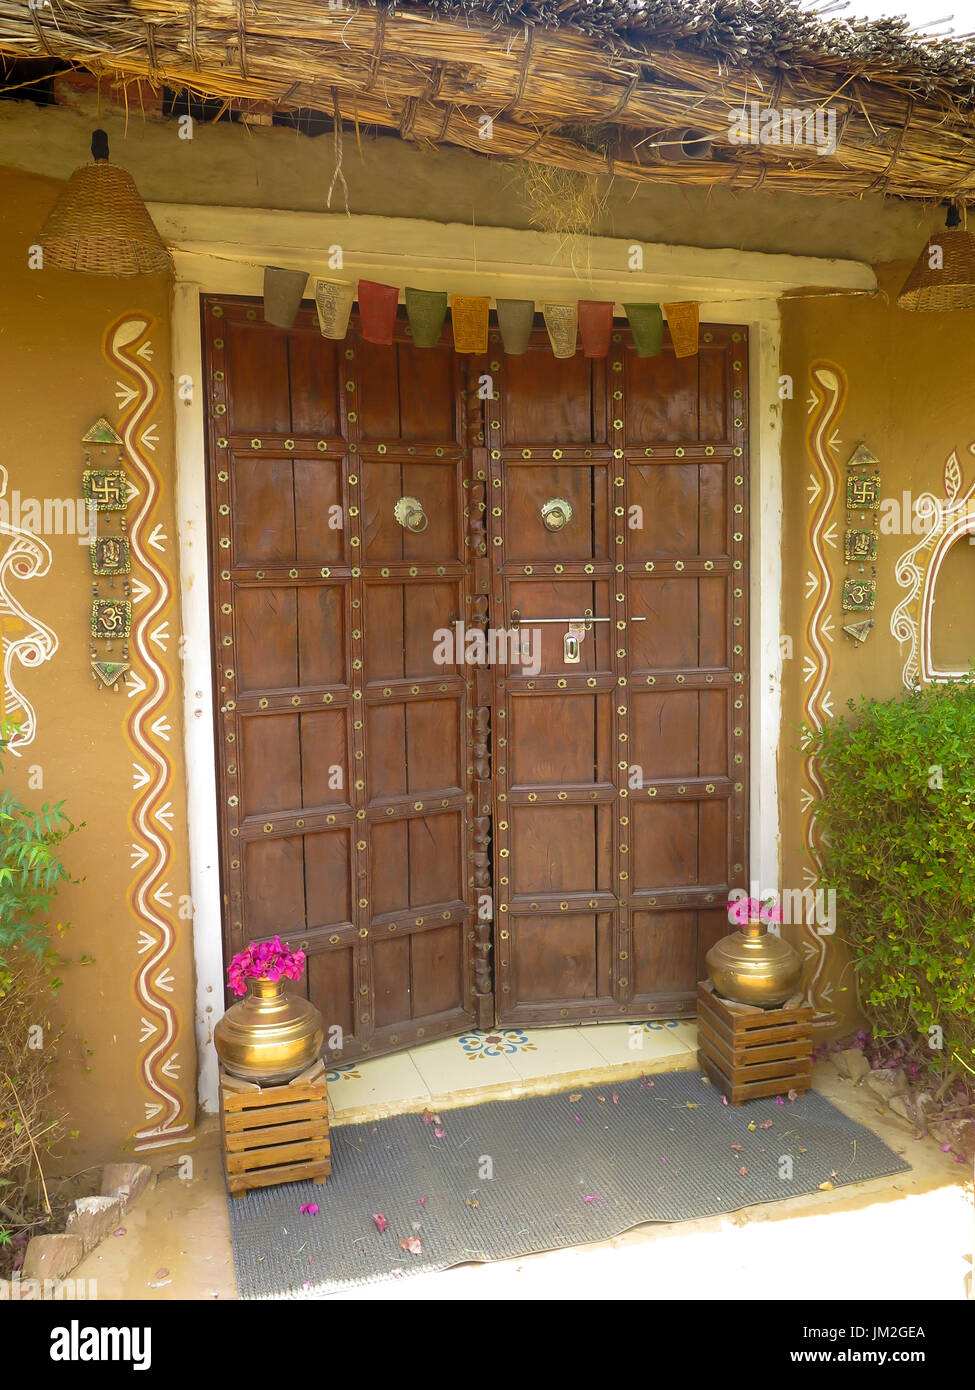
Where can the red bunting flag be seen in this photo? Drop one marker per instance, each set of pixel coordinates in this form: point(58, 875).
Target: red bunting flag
point(377, 311)
point(595, 326)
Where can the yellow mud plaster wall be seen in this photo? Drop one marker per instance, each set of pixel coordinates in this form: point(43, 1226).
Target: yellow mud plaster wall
point(73, 348)
point(863, 370)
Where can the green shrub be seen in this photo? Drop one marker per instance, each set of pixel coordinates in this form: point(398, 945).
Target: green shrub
point(898, 827)
point(31, 872)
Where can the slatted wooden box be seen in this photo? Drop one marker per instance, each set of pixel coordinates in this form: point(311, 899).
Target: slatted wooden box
point(749, 1052)
point(275, 1134)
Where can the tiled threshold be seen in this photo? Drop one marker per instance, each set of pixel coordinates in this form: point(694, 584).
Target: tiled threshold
point(504, 1064)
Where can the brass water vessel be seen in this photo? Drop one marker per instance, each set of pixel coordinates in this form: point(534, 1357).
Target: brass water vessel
point(270, 1035)
point(754, 966)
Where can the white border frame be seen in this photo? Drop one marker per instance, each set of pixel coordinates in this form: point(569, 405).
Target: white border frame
point(225, 250)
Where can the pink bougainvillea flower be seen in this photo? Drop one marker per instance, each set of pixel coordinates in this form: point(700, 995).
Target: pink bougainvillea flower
point(779, 1100)
point(380, 1220)
point(309, 1209)
point(724, 1100)
point(766, 1124)
point(743, 1172)
point(945, 1147)
point(440, 1133)
point(594, 1198)
point(421, 1201)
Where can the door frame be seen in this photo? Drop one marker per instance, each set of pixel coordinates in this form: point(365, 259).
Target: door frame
point(224, 250)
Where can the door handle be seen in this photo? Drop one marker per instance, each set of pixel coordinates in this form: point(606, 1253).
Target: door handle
point(410, 514)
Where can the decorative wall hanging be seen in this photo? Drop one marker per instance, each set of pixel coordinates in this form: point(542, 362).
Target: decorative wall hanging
point(860, 541)
point(283, 290)
point(469, 317)
point(859, 595)
point(106, 491)
point(947, 520)
point(377, 311)
point(562, 322)
point(24, 640)
point(683, 320)
point(334, 300)
point(426, 311)
point(647, 326)
point(99, 224)
point(595, 326)
point(827, 396)
point(859, 632)
point(516, 318)
point(155, 927)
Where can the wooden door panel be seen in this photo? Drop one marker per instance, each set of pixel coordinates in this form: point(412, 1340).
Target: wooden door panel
point(346, 773)
point(621, 795)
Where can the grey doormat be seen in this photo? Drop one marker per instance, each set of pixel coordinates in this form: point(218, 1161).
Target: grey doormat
point(511, 1178)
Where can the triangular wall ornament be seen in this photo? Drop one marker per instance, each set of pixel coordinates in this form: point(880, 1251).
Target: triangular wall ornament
point(862, 458)
point(859, 631)
point(101, 432)
point(109, 672)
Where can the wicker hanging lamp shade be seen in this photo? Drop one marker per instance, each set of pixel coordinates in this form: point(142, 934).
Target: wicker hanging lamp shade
point(99, 224)
point(943, 277)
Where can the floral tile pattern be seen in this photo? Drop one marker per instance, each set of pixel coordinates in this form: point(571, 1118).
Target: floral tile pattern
point(496, 1044)
point(348, 1072)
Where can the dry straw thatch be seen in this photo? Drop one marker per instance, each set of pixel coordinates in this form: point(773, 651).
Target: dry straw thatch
point(905, 108)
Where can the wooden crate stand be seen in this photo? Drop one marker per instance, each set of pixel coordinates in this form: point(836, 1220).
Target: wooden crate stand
point(275, 1134)
point(749, 1052)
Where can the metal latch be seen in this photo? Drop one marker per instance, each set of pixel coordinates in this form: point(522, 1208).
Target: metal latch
point(572, 644)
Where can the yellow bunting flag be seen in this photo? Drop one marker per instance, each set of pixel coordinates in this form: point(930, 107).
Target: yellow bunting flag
point(469, 316)
point(682, 320)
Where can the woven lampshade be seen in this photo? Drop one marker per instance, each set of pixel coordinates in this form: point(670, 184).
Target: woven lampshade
point(100, 225)
point(950, 287)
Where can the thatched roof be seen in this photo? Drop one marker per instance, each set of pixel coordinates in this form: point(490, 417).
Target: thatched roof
point(592, 86)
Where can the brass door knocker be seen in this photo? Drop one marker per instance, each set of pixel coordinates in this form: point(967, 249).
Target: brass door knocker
point(410, 514)
point(556, 514)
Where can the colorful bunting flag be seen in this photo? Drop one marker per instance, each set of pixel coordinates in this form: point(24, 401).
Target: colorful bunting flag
point(334, 300)
point(682, 320)
point(377, 311)
point(647, 326)
point(516, 318)
point(426, 311)
point(562, 322)
point(469, 316)
point(595, 326)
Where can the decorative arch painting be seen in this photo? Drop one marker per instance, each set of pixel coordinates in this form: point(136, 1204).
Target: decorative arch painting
point(946, 519)
point(149, 687)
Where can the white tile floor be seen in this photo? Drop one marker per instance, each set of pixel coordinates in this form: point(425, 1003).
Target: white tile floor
point(512, 1061)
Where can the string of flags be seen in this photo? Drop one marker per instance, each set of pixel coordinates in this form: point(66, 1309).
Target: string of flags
point(588, 320)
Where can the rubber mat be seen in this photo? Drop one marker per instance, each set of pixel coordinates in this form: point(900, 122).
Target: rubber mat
point(509, 1178)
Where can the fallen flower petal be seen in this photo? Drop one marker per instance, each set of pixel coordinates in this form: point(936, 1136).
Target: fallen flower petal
point(616, 1099)
point(413, 1244)
point(380, 1220)
point(119, 1232)
point(743, 1172)
point(945, 1147)
point(765, 1124)
point(309, 1209)
point(826, 1187)
point(691, 1104)
point(577, 1120)
point(440, 1133)
point(594, 1198)
point(779, 1100)
point(793, 1095)
point(576, 1095)
point(737, 1148)
point(421, 1201)
point(751, 1124)
point(724, 1100)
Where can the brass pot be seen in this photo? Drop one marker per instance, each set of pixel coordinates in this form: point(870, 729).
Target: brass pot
point(754, 966)
point(269, 1036)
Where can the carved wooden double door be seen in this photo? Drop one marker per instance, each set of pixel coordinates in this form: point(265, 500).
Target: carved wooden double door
point(480, 653)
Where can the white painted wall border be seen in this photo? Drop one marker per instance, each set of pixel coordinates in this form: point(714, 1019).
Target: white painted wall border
point(203, 267)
